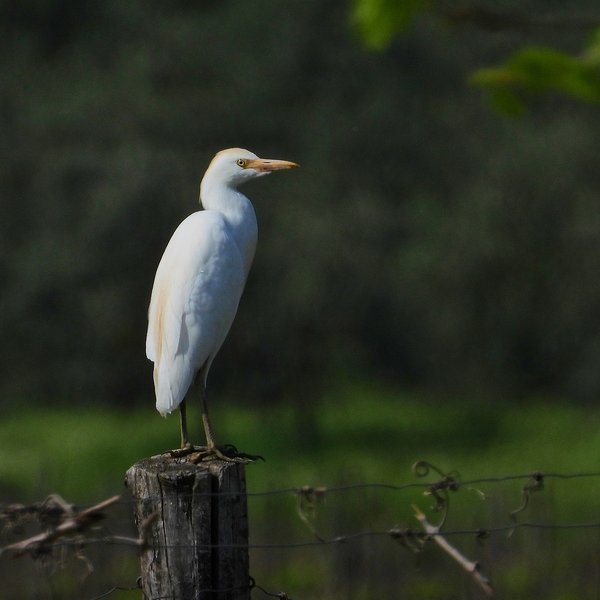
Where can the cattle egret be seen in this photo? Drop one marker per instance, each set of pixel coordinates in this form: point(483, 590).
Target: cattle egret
point(199, 283)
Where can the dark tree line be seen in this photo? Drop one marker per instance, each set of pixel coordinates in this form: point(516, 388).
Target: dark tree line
point(426, 240)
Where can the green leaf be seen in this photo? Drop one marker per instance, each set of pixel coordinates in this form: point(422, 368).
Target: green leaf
point(537, 70)
point(378, 21)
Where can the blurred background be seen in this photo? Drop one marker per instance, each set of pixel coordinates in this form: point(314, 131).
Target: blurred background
point(425, 286)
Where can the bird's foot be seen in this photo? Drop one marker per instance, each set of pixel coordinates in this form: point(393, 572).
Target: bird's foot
point(230, 452)
point(185, 450)
point(227, 453)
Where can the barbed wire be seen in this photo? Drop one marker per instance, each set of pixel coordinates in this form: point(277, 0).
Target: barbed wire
point(66, 526)
point(395, 533)
point(53, 507)
point(252, 585)
point(328, 489)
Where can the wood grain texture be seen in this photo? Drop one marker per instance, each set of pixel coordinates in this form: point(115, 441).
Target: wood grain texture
point(198, 546)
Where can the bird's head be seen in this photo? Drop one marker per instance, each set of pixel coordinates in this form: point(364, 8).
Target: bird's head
point(236, 165)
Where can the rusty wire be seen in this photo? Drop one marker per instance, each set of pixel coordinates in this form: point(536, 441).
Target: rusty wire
point(452, 483)
point(54, 512)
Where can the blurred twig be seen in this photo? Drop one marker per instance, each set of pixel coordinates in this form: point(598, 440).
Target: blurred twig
point(65, 521)
point(471, 567)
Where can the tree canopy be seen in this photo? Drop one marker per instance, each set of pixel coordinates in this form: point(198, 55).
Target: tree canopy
point(426, 240)
point(527, 72)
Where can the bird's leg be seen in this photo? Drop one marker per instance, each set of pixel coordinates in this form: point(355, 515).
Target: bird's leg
point(226, 453)
point(210, 438)
point(185, 443)
point(198, 454)
point(186, 447)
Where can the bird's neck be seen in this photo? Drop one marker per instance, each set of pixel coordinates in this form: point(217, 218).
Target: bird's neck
point(239, 214)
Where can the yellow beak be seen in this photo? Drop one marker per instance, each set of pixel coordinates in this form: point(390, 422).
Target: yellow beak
point(270, 164)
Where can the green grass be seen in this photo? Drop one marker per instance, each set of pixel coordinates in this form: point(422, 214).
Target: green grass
point(351, 435)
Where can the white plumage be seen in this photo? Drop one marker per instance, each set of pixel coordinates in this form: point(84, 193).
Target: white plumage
point(200, 280)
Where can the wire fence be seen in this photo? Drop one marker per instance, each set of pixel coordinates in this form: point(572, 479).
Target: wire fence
point(60, 526)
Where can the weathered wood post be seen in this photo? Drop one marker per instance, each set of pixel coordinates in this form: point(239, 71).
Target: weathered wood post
point(198, 541)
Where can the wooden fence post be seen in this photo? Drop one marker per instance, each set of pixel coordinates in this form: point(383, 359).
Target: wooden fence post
point(198, 537)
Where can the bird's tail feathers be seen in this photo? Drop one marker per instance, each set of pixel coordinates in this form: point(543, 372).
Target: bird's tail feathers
point(172, 380)
point(166, 401)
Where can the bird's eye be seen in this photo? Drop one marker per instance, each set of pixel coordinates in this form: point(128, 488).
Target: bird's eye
point(241, 162)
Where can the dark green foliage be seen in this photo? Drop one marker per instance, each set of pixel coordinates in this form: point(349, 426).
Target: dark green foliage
point(534, 71)
point(379, 21)
point(529, 72)
point(423, 240)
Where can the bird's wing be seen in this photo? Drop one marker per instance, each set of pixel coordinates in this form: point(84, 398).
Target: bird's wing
point(195, 296)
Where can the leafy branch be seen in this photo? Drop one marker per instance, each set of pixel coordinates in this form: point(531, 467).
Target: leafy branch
point(529, 72)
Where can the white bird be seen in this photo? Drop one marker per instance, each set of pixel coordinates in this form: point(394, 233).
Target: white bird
point(199, 283)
